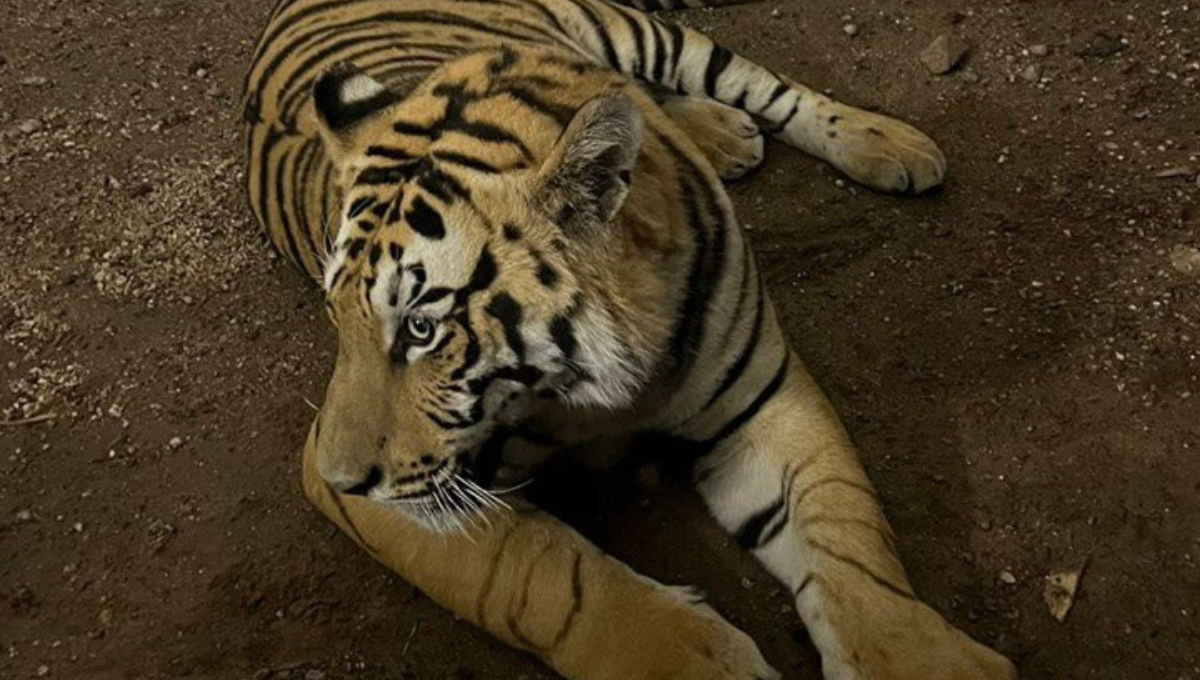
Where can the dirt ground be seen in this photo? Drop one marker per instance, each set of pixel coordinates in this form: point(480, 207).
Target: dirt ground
point(1017, 355)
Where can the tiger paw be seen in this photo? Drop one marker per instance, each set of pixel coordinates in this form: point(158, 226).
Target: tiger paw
point(912, 642)
point(670, 635)
point(881, 152)
point(728, 137)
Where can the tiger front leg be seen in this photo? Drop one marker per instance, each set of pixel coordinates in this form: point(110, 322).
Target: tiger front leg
point(788, 484)
point(538, 585)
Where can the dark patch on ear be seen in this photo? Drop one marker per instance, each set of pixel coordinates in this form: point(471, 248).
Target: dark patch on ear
point(425, 220)
point(344, 96)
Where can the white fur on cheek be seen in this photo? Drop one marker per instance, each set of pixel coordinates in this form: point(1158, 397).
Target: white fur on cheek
point(614, 379)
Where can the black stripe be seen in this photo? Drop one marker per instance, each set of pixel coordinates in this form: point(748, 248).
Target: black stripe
point(359, 205)
point(290, 230)
point(301, 168)
point(677, 38)
point(466, 161)
point(508, 312)
point(405, 128)
point(779, 127)
point(781, 88)
point(424, 220)
point(432, 295)
point(738, 367)
point(388, 152)
point(610, 53)
point(755, 406)
point(750, 533)
point(387, 175)
point(562, 334)
point(866, 571)
point(660, 53)
point(639, 41)
point(718, 61)
point(559, 113)
point(443, 185)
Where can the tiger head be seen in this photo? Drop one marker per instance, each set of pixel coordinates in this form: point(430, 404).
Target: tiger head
point(458, 281)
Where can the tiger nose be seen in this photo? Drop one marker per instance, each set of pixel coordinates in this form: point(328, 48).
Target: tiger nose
point(362, 488)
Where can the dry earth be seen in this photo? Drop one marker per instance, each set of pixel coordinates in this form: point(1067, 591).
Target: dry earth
point(1016, 355)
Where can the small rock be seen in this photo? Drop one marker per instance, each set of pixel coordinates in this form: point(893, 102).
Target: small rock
point(1186, 260)
point(1039, 50)
point(34, 81)
point(24, 516)
point(28, 127)
point(747, 583)
point(1100, 46)
point(1170, 173)
point(43, 670)
point(1031, 73)
point(1060, 591)
point(850, 29)
point(944, 53)
point(969, 75)
point(175, 442)
point(1007, 578)
point(78, 527)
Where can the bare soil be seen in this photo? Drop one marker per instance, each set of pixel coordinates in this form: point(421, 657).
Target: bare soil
point(1017, 355)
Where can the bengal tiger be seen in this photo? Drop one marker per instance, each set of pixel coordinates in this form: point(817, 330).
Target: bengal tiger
point(516, 212)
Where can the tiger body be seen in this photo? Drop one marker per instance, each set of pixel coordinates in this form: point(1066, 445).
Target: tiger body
point(527, 250)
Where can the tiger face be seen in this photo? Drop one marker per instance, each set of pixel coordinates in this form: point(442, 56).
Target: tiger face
point(456, 283)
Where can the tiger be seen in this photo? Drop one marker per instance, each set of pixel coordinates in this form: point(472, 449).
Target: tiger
point(516, 212)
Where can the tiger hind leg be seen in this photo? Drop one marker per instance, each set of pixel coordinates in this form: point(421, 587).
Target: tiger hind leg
point(881, 152)
point(728, 137)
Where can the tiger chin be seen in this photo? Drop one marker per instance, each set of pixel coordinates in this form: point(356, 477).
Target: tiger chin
point(516, 214)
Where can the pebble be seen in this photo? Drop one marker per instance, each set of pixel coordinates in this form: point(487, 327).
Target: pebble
point(1186, 260)
point(1008, 578)
point(944, 54)
point(1101, 45)
point(28, 127)
point(850, 29)
point(24, 516)
point(34, 81)
point(175, 442)
point(1031, 73)
point(1039, 50)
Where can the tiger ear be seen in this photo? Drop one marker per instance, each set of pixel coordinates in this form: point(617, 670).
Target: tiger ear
point(345, 97)
point(587, 176)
